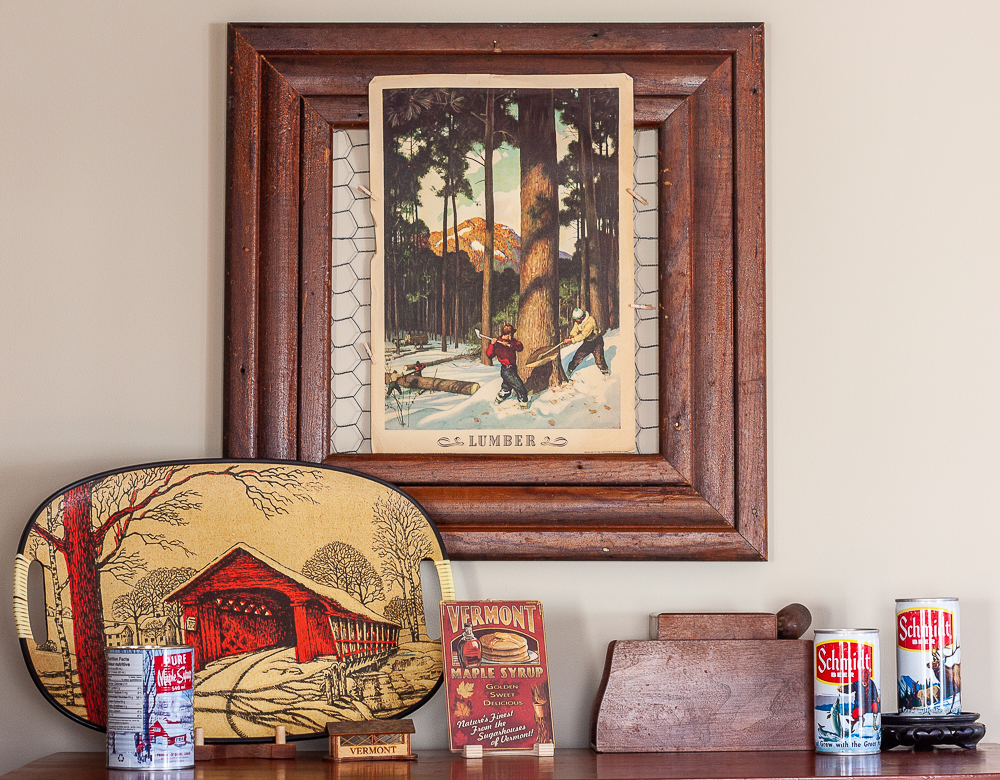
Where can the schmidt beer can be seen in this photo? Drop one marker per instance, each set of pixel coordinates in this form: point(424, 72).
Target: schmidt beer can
point(150, 707)
point(928, 657)
point(848, 708)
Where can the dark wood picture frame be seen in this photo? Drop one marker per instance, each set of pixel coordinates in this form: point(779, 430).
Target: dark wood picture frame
point(704, 496)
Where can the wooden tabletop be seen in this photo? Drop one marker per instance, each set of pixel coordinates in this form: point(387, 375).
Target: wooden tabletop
point(566, 765)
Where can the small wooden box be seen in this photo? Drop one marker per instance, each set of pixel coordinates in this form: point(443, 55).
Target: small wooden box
point(370, 740)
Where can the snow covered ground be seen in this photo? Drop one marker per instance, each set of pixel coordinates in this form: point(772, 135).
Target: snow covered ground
point(589, 400)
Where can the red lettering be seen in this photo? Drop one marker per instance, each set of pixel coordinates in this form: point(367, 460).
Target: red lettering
point(173, 672)
point(844, 661)
point(925, 628)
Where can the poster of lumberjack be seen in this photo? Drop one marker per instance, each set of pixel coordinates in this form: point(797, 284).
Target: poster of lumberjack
point(504, 260)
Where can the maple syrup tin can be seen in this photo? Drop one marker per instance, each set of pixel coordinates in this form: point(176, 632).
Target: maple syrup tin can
point(848, 706)
point(150, 707)
point(928, 657)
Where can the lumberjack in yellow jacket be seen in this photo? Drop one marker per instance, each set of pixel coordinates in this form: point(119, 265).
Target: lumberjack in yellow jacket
point(585, 330)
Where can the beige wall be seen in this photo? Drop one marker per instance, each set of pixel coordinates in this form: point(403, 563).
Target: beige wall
point(882, 201)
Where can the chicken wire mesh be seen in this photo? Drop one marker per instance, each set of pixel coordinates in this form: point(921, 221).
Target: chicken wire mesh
point(354, 245)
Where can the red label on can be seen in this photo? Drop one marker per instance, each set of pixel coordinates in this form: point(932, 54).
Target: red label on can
point(844, 661)
point(173, 672)
point(923, 628)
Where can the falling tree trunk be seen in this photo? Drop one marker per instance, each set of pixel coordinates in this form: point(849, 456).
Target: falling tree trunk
point(441, 385)
point(79, 547)
point(487, 315)
point(538, 317)
point(596, 278)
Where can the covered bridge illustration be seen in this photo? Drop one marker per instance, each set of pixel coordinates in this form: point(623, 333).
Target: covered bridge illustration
point(245, 601)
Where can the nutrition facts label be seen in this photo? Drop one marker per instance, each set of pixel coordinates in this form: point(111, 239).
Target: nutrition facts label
point(125, 692)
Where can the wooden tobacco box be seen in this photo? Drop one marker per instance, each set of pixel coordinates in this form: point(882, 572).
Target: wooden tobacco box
point(740, 689)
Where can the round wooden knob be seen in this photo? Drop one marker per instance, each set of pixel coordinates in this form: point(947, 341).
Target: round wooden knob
point(793, 621)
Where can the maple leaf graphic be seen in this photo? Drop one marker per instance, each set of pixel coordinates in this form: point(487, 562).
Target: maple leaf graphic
point(462, 708)
point(465, 690)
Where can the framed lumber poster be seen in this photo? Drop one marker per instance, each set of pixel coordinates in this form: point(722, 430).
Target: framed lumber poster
point(314, 349)
point(518, 380)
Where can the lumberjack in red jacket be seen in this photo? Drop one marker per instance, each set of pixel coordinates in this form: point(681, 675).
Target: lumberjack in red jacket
point(505, 350)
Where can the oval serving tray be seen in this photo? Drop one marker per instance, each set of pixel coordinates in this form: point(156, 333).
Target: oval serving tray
point(298, 586)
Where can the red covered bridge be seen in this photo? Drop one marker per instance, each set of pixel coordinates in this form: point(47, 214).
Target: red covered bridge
point(244, 601)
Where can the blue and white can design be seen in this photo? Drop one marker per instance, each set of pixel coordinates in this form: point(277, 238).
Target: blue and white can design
point(848, 700)
point(150, 707)
point(928, 657)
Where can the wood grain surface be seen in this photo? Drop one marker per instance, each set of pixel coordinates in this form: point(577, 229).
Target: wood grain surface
point(704, 495)
point(262, 751)
point(709, 625)
point(943, 764)
point(712, 695)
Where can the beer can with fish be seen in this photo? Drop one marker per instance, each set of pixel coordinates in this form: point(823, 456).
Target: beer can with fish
point(150, 707)
point(848, 711)
point(928, 657)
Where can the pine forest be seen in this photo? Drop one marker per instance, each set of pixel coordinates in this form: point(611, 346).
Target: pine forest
point(501, 207)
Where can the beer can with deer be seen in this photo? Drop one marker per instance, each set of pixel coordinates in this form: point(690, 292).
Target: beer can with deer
point(928, 657)
point(848, 703)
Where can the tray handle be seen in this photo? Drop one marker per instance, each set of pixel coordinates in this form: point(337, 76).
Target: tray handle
point(445, 579)
point(21, 618)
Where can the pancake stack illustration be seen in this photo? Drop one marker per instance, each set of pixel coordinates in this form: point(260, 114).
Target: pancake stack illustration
point(504, 647)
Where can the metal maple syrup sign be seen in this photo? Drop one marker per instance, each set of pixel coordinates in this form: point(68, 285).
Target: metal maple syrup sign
point(496, 676)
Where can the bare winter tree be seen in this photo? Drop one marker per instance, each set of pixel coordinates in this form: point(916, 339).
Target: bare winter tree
point(399, 610)
point(57, 609)
point(160, 583)
point(401, 543)
point(132, 607)
point(342, 566)
point(99, 517)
